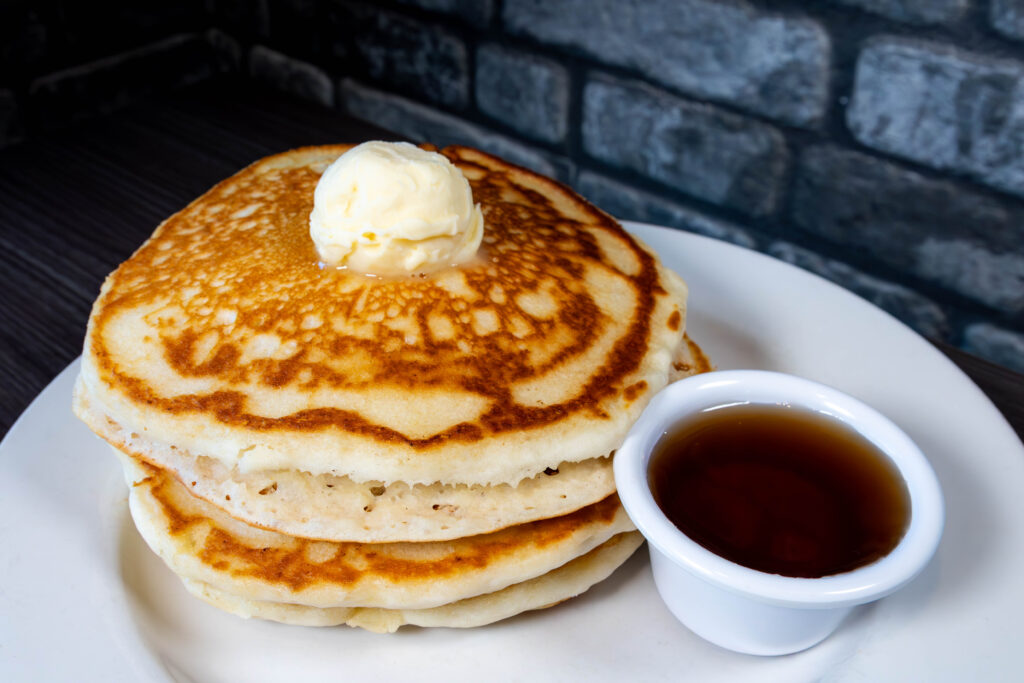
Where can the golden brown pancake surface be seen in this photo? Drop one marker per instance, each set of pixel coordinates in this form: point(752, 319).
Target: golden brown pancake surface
point(547, 590)
point(224, 335)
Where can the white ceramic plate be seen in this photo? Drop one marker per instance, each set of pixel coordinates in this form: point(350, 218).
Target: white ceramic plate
point(82, 598)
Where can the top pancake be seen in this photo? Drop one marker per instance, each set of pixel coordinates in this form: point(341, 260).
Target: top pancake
point(223, 336)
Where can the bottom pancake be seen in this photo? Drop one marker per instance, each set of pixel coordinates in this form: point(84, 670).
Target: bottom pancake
point(198, 541)
point(549, 589)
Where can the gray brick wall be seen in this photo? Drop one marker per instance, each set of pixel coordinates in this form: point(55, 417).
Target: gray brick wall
point(913, 11)
point(965, 241)
point(691, 147)
point(1007, 17)
point(773, 65)
point(942, 107)
point(628, 203)
point(523, 91)
point(291, 75)
point(423, 59)
point(915, 310)
point(475, 12)
point(997, 344)
point(424, 124)
point(105, 84)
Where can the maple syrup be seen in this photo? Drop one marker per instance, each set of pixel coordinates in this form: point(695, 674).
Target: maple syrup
point(780, 489)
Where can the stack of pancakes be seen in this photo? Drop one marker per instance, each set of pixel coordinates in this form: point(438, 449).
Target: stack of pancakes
point(316, 446)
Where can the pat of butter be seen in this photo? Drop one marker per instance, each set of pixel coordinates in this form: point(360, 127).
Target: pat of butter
point(388, 208)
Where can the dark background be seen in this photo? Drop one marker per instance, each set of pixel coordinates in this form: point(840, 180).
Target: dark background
point(879, 143)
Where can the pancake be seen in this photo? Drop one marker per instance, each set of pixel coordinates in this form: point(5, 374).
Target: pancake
point(558, 585)
point(221, 337)
point(312, 445)
point(327, 507)
point(201, 543)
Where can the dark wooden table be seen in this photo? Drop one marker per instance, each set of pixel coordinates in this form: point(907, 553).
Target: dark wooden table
point(75, 203)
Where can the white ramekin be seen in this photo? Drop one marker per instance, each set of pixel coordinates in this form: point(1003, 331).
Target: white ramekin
point(743, 609)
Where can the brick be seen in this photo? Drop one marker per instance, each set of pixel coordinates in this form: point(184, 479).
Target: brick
point(523, 91)
point(37, 38)
point(106, 84)
point(629, 203)
point(415, 58)
point(8, 118)
point(994, 278)
point(226, 48)
point(421, 123)
point(917, 311)
point(965, 241)
point(942, 107)
point(475, 12)
point(308, 29)
point(1007, 17)
point(694, 148)
point(246, 18)
point(913, 11)
point(290, 75)
point(997, 344)
point(776, 66)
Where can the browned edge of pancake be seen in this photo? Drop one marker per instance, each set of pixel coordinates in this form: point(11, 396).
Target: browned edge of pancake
point(557, 586)
point(347, 563)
